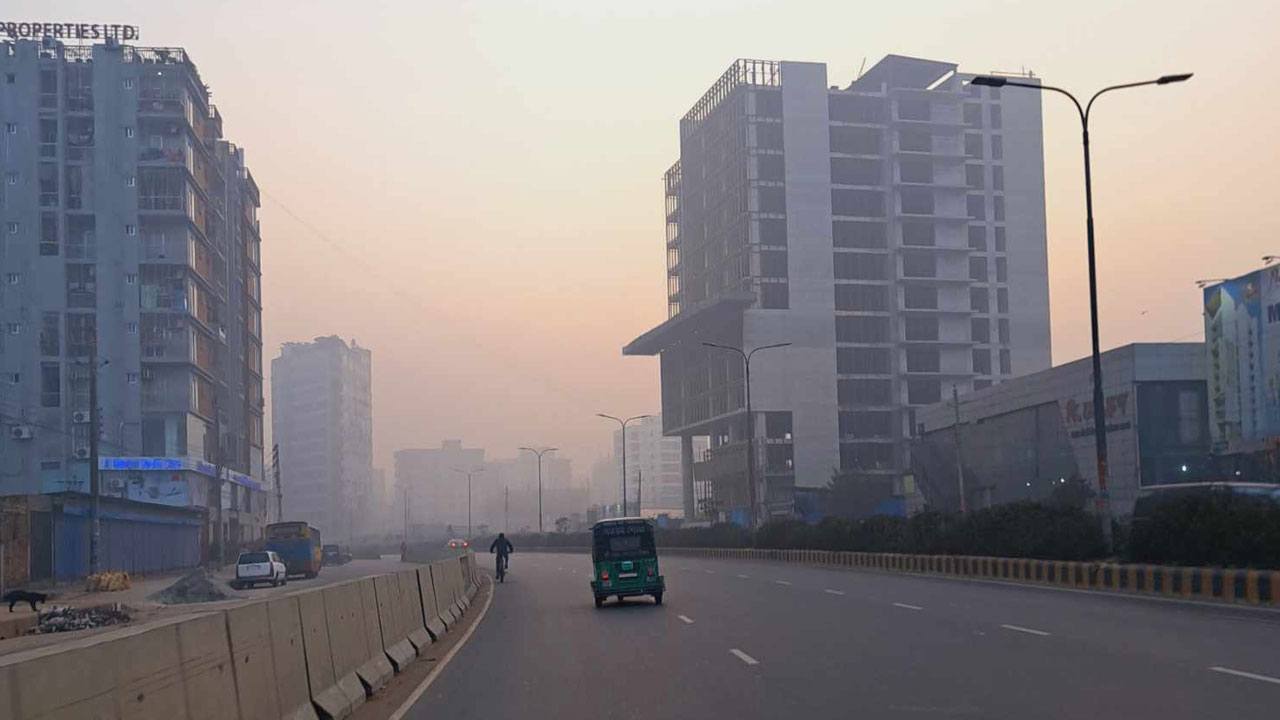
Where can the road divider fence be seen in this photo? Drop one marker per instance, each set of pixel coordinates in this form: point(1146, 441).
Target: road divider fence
point(303, 656)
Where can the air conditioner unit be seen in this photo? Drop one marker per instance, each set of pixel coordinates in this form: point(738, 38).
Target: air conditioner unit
point(81, 416)
point(20, 432)
point(82, 453)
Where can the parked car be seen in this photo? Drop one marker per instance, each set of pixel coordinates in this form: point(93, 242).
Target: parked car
point(456, 544)
point(336, 554)
point(257, 567)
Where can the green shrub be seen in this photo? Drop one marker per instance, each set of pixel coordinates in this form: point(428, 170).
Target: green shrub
point(1218, 529)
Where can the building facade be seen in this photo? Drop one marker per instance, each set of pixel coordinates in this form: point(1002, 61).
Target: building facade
point(322, 421)
point(892, 231)
point(654, 482)
point(130, 234)
point(1022, 438)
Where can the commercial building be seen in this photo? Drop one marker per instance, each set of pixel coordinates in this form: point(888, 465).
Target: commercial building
point(891, 230)
point(653, 469)
point(1020, 439)
point(128, 231)
point(1242, 341)
point(322, 421)
point(434, 483)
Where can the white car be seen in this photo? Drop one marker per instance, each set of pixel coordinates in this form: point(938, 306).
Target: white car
point(257, 567)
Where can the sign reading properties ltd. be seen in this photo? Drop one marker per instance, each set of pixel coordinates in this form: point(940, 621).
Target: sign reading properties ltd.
point(67, 31)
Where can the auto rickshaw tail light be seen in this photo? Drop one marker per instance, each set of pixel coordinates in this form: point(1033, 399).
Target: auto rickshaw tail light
point(604, 576)
point(651, 573)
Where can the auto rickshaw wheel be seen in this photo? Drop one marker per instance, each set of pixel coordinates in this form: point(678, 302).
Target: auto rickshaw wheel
point(657, 598)
point(599, 601)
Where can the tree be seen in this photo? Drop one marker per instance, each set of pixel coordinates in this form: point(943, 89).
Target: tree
point(1073, 493)
point(562, 524)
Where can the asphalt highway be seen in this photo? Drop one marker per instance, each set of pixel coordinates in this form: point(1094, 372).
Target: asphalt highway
point(737, 639)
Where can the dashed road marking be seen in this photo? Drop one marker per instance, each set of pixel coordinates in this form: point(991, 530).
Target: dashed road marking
point(745, 577)
point(908, 607)
point(744, 657)
point(710, 572)
point(1029, 631)
point(1243, 674)
point(686, 620)
point(834, 592)
point(783, 582)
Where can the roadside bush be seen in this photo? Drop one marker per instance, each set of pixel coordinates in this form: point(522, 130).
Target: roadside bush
point(1219, 529)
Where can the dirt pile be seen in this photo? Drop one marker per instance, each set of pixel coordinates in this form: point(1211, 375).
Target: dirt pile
point(196, 586)
point(67, 619)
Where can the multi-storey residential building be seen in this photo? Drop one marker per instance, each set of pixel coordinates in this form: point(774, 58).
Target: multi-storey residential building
point(891, 230)
point(653, 469)
point(434, 483)
point(322, 421)
point(130, 233)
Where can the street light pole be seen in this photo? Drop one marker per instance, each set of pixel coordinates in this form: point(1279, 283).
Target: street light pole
point(751, 424)
point(539, 454)
point(623, 424)
point(1099, 409)
point(468, 473)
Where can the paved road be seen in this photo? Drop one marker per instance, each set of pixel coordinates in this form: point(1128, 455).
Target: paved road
point(741, 639)
point(329, 575)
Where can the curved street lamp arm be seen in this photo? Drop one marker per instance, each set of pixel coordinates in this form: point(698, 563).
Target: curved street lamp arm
point(1089, 106)
point(610, 417)
point(635, 417)
point(727, 347)
point(766, 347)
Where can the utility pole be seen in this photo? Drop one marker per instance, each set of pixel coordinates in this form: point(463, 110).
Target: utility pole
point(275, 473)
point(539, 454)
point(640, 492)
point(217, 479)
point(506, 509)
point(406, 514)
point(955, 400)
point(95, 476)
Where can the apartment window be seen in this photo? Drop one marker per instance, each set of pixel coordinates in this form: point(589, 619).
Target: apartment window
point(773, 263)
point(128, 131)
point(977, 206)
point(775, 296)
point(920, 297)
point(862, 361)
point(82, 285)
point(131, 378)
point(915, 170)
point(773, 231)
point(769, 103)
point(920, 234)
point(997, 177)
point(921, 329)
point(1002, 300)
point(980, 330)
point(1002, 269)
point(973, 177)
point(772, 199)
point(863, 391)
point(997, 118)
point(978, 269)
point(916, 201)
point(128, 83)
point(973, 115)
point(998, 207)
point(14, 328)
point(13, 378)
point(997, 147)
point(10, 78)
point(856, 140)
point(1006, 363)
point(859, 234)
point(11, 128)
point(856, 171)
point(855, 108)
point(770, 167)
point(861, 266)
point(866, 456)
point(48, 234)
point(862, 328)
point(768, 135)
point(50, 334)
point(915, 140)
point(130, 278)
point(914, 109)
point(50, 385)
point(872, 298)
point(981, 361)
point(777, 425)
point(979, 300)
point(11, 178)
point(973, 145)
point(1000, 238)
point(13, 278)
point(864, 203)
point(131, 328)
point(866, 424)
point(923, 359)
point(919, 264)
point(977, 237)
point(924, 392)
point(130, 229)
point(131, 181)
point(1002, 330)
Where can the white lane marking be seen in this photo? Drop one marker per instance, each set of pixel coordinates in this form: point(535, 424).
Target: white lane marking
point(710, 572)
point(1020, 629)
point(745, 577)
point(1243, 674)
point(911, 607)
point(744, 657)
point(783, 582)
point(685, 620)
point(834, 592)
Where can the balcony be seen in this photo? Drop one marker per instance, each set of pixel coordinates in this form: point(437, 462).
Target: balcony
point(163, 156)
point(165, 105)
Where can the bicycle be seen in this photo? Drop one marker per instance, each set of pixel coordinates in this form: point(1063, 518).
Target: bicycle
point(501, 566)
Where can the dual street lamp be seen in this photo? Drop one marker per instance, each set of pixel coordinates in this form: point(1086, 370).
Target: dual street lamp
point(539, 454)
point(469, 473)
point(623, 424)
point(1099, 408)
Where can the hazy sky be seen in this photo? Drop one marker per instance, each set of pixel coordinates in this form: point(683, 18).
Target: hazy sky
point(472, 189)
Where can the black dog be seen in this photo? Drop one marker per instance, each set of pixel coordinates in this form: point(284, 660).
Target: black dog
point(17, 596)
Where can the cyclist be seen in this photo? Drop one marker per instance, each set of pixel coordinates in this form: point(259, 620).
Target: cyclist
point(503, 548)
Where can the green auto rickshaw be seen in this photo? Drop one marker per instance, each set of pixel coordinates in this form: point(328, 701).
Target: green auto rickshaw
point(625, 560)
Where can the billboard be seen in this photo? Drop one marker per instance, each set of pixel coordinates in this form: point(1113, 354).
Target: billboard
point(1242, 343)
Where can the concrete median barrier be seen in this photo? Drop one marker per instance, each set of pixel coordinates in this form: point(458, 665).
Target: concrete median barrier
point(376, 670)
point(333, 700)
point(432, 616)
point(76, 679)
point(356, 673)
point(206, 668)
point(289, 660)
point(409, 601)
point(391, 623)
point(249, 631)
point(441, 587)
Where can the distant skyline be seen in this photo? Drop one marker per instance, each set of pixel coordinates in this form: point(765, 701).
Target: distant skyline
point(472, 189)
